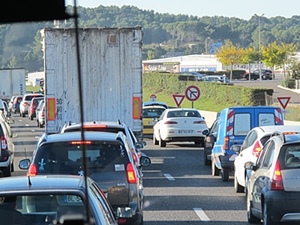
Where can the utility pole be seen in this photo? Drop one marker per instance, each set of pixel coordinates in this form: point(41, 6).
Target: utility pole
point(259, 44)
point(206, 45)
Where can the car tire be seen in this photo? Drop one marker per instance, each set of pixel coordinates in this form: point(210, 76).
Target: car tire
point(251, 218)
point(161, 142)
point(206, 161)
point(238, 188)
point(215, 171)
point(225, 174)
point(38, 124)
point(6, 171)
point(12, 168)
point(41, 125)
point(155, 141)
point(266, 216)
point(31, 117)
point(23, 114)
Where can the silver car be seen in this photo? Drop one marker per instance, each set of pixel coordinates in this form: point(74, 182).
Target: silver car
point(273, 190)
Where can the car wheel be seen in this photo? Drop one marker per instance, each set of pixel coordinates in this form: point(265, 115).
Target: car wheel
point(264, 77)
point(6, 171)
point(251, 218)
point(238, 188)
point(38, 124)
point(31, 117)
point(267, 216)
point(206, 161)
point(225, 174)
point(155, 141)
point(23, 114)
point(161, 142)
point(12, 168)
point(215, 171)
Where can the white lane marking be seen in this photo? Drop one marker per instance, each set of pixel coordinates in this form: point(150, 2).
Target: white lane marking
point(168, 176)
point(37, 137)
point(33, 130)
point(27, 125)
point(201, 214)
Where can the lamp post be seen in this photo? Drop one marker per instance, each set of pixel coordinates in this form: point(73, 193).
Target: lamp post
point(259, 44)
point(206, 45)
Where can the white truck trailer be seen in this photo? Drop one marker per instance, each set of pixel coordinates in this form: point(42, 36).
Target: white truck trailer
point(111, 70)
point(12, 82)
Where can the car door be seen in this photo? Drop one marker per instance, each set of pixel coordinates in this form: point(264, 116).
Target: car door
point(260, 176)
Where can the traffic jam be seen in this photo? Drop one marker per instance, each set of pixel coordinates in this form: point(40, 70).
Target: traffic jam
point(69, 158)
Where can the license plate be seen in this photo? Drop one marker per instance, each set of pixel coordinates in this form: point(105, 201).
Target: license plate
point(151, 122)
point(186, 131)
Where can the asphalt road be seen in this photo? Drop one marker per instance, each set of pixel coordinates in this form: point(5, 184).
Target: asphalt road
point(272, 84)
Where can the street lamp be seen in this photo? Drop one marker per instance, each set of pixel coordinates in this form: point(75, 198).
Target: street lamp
point(259, 44)
point(206, 45)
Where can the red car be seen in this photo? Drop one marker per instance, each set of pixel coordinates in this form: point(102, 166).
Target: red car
point(32, 107)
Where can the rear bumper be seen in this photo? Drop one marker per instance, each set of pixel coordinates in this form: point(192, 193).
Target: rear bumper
point(284, 206)
point(226, 161)
point(182, 139)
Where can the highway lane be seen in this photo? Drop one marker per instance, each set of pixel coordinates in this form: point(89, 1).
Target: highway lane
point(178, 188)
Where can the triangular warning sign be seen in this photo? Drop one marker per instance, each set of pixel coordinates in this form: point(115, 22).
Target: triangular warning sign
point(283, 101)
point(178, 99)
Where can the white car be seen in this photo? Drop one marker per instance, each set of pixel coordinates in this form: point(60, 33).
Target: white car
point(251, 148)
point(179, 125)
point(24, 105)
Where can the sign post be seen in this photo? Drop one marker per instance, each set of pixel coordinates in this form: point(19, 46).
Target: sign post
point(192, 93)
point(153, 98)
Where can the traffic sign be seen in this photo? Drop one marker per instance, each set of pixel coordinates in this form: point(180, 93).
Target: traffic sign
point(153, 98)
point(178, 99)
point(192, 93)
point(283, 101)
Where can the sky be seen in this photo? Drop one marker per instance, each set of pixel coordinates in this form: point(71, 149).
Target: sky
point(243, 9)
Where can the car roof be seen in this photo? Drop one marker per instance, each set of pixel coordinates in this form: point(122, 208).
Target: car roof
point(279, 128)
point(76, 136)
point(155, 103)
point(108, 123)
point(41, 182)
point(181, 109)
point(154, 107)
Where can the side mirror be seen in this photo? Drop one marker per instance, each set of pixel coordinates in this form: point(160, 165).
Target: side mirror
point(236, 148)
point(205, 132)
point(138, 145)
point(250, 166)
point(124, 212)
point(24, 164)
point(145, 161)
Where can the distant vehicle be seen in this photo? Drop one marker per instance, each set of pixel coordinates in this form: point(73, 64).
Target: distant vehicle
point(7, 149)
point(179, 125)
point(273, 190)
point(16, 104)
point(217, 79)
point(33, 106)
point(41, 114)
point(12, 82)
point(54, 199)
point(150, 115)
point(233, 124)
point(109, 161)
point(24, 105)
point(192, 76)
point(266, 74)
point(251, 148)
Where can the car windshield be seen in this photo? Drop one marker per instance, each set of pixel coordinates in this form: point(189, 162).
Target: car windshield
point(29, 209)
point(183, 113)
point(152, 112)
point(66, 157)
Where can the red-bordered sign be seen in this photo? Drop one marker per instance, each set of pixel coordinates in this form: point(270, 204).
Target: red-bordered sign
point(192, 93)
point(284, 101)
point(178, 99)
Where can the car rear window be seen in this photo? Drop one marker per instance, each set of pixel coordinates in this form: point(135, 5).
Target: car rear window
point(183, 113)
point(29, 97)
point(96, 128)
point(66, 157)
point(291, 155)
point(242, 123)
point(266, 119)
point(152, 112)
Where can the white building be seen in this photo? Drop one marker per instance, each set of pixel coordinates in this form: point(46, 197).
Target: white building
point(183, 64)
point(33, 79)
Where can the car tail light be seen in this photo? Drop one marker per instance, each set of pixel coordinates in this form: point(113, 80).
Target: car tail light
point(131, 175)
point(200, 122)
point(80, 142)
point(226, 140)
point(171, 122)
point(256, 149)
point(134, 156)
point(3, 143)
point(277, 183)
point(32, 171)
